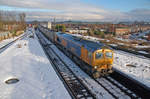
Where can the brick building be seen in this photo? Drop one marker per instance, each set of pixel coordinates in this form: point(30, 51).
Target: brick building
point(121, 31)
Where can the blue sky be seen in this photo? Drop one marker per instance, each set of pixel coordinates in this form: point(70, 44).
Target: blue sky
point(86, 10)
point(121, 5)
point(9, 8)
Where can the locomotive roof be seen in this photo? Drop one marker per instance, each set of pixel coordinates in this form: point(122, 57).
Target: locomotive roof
point(89, 45)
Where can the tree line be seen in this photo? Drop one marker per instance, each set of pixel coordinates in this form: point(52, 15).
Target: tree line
point(12, 21)
point(61, 28)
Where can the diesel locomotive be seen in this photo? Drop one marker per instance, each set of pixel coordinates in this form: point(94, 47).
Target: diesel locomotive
point(94, 57)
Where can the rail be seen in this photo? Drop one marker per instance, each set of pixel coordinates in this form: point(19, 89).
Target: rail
point(74, 85)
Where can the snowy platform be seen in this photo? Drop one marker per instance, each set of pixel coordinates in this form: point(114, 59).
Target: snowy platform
point(27, 61)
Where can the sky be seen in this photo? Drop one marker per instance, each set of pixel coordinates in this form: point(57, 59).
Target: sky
point(81, 10)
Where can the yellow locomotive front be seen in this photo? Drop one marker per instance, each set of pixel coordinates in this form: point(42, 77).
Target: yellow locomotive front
point(102, 62)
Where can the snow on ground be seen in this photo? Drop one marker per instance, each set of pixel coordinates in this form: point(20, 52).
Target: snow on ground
point(114, 45)
point(29, 64)
point(121, 43)
point(135, 66)
point(139, 46)
point(122, 39)
point(143, 52)
point(138, 36)
point(6, 41)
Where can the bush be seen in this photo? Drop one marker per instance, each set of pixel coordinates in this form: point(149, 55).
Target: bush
point(97, 32)
point(13, 32)
point(100, 33)
point(103, 35)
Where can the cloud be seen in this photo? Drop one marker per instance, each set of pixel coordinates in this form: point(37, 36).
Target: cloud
point(140, 14)
point(62, 16)
point(74, 10)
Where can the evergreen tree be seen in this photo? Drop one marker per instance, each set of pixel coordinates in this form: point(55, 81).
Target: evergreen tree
point(63, 28)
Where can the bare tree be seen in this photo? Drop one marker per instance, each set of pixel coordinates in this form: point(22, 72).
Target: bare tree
point(1, 21)
point(22, 20)
point(12, 20)
point(22, 17)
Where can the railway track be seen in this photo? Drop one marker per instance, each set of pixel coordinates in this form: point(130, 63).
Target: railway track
point(131, 51)
point(74, 85)
point(135, 86)
point(9, 44)
point(117, 88)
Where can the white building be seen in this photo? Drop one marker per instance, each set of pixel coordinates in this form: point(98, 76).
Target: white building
point(46, 24)
point(49, 25)
point(77, 31)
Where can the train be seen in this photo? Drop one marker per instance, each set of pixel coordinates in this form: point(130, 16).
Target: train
point(94, 57)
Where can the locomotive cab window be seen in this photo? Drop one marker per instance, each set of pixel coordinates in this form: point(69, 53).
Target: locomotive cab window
point(98, 55)
point(109, 54)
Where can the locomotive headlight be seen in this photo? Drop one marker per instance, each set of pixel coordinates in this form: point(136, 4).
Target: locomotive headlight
point(95, 67)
